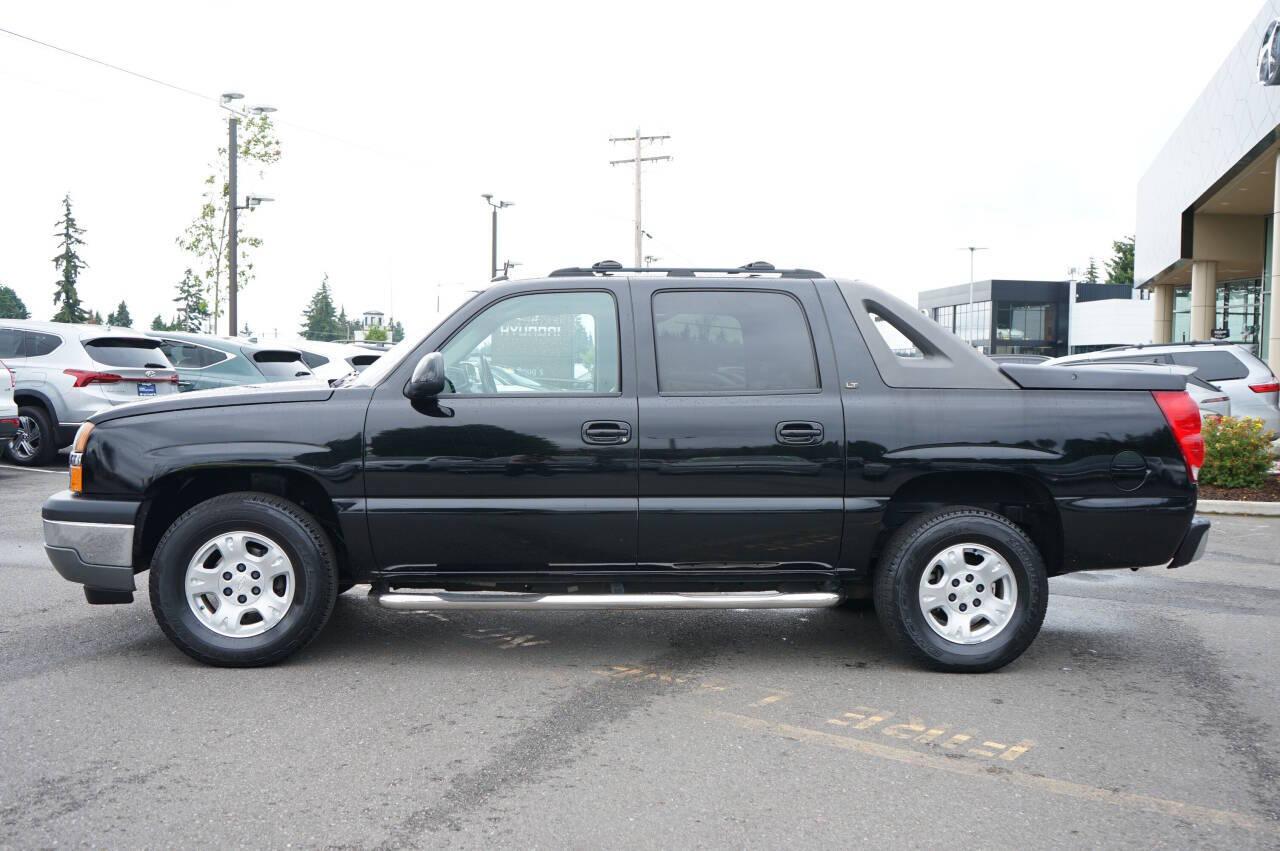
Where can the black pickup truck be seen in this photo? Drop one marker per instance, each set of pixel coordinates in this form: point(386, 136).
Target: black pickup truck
point(623, 438)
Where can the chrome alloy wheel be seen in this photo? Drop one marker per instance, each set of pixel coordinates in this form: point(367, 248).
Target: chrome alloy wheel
point(968, 593)
point(26, 442)
point(240, 584)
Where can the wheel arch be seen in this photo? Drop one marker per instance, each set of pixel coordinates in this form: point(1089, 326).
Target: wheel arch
point(169, 496)
point(1019, 497)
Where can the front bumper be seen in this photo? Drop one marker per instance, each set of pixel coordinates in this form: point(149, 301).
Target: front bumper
point(1193, 545)
point(90, 541)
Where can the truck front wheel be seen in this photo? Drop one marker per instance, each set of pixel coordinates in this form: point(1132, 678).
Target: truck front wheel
point(962, 589)
point(243, 579)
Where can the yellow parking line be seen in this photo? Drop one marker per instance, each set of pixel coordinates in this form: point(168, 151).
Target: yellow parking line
point(1066, 788)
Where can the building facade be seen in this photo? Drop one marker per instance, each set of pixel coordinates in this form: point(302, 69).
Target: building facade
point(1021, 317)
point(1207, 210)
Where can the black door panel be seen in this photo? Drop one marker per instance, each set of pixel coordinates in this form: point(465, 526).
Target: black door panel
point(742, 463)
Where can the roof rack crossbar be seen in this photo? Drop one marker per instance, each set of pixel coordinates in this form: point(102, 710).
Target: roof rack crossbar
point(611, 267)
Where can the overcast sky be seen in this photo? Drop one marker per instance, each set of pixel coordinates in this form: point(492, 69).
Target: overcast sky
point(865, 140)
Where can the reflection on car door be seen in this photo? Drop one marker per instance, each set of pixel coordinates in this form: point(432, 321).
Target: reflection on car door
point(528, 460)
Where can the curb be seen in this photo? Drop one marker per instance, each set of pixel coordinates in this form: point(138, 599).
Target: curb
point(1231, 506)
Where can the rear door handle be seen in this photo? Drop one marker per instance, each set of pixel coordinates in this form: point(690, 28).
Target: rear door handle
point(799, 433)
point(606, 432)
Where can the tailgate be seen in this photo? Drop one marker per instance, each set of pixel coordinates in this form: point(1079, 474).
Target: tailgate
point(130, 369)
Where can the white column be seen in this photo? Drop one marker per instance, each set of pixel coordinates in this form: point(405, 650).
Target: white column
point(1273, 334)
point(1204, 294)
point(1162, 308)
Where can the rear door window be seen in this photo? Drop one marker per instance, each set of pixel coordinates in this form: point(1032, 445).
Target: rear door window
point(1213, 366)
point(740, 341)
point(136, 352)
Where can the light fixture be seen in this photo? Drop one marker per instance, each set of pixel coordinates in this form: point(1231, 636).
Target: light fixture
point(227, 97)
point(261, 109)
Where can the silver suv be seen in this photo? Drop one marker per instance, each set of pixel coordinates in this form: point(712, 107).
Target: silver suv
point(66, 373)
point(1247, 380)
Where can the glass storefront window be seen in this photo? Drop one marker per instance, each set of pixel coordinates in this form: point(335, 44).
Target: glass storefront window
point(1031, 322)
point(973, 322)
point(1181, 314)
point(1239, 310)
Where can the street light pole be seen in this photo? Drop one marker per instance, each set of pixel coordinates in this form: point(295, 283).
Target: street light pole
point(233, 208)
point(972, 249)
point(233, 238)
point(493, 246)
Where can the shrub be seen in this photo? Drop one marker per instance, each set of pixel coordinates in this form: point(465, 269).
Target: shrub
point(1237, 452)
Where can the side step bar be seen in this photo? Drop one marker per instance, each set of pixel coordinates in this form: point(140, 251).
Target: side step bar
point(422, 601)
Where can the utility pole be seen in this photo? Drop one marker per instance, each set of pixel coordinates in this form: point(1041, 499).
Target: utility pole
point(972, 249)
point(493, 248)
point(636, 160)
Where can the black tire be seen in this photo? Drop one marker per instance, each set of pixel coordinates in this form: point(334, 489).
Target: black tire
point(904, 561)
point(46, 438)
point(284, 523)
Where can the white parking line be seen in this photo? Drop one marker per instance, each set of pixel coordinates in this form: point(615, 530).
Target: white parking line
point(32, 469)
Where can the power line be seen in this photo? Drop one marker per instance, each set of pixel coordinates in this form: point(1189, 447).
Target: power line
point(105, 64)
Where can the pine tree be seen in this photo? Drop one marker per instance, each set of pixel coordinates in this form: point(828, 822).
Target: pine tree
point(397, 331)
point(1120, 266)
point(11, 307)
point(245, 332)
point(1091, 273)
point(69, 264)
point(158, 324)
point(319, 319)
point(94, 318)
point(193, 310)
point(120, 317)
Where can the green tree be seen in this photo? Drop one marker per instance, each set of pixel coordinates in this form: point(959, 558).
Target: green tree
point(376, 334)
point(94, 318)
point(319, 319)
point(120, 317)
point(1091, 273)
point(207, 236)
point(1120, 266)
point(397, 331)
point(193, 310)
point(68, 262)
point(11, 307)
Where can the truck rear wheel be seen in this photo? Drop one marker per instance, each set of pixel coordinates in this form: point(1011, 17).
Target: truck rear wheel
point(962, 589)
point(243, 579)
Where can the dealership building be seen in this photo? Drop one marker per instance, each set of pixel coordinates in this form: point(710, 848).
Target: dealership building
point(1050, 318)
point(1206, 244)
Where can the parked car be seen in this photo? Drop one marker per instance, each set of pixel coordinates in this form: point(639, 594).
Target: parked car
point(66, 373)
point(8, 407)
point(1002, 359)
point(1245, 378)
point(814, 466)
point(1210, 400)
point(331, 361)
point(206, 362)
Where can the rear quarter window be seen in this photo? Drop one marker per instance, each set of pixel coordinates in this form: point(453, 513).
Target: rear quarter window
point(127, 352)
point(280, 364)
point(37, 344)
point(1213, 366)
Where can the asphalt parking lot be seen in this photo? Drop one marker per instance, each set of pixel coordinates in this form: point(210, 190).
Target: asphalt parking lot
point(1144, 715)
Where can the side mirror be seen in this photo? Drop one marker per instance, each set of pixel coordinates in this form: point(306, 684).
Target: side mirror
point(428, 378)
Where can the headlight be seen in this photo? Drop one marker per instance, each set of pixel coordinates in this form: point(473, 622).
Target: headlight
point(77, 455)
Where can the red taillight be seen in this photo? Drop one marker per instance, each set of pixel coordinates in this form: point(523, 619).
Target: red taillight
point(86, 377)
point(1269, 387)
point(1184, 419)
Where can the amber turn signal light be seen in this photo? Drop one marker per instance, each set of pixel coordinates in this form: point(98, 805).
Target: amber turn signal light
point(77, 455)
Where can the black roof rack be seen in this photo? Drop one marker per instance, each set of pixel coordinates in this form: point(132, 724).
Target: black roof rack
point(610, 267)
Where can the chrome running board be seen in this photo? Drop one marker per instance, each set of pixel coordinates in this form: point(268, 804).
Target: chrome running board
point(424, 601)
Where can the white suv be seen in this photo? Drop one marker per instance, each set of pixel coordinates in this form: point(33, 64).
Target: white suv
point(1247, 380)
point(66, 373)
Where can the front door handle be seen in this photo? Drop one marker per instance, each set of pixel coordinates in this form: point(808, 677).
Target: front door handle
point(606, 432)
point(798, 433)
